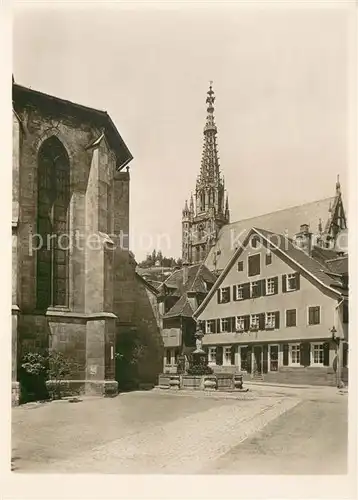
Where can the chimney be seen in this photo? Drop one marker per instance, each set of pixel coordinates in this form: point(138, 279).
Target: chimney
point(303, 239)
point(185, 272)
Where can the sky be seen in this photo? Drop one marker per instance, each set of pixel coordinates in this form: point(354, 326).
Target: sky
point(280, 78)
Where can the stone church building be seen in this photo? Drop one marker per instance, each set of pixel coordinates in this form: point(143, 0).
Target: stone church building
point(74, 285)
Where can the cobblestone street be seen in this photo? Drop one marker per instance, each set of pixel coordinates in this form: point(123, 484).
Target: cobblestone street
point(262, 431)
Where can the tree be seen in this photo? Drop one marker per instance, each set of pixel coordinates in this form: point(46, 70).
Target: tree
point(155, 256)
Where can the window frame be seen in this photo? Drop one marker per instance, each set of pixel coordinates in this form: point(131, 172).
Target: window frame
point(308, 315)
point(207, 322)
point(211, 361)
point(290, 276)
point(257, 285)
point(268, 258)
point(53, 207)
point(241, 318)
point(226, 289)
point(241, 288)
point(226, 349)
point(289, 310)
point(221, 325)
point(248, 264)
point(266, 285)
point(273, 325)
point(297, 347)
point(240, 263)
point(321, 349)
point(256, 325)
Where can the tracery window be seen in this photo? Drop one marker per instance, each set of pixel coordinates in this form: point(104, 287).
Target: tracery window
point(53, 224)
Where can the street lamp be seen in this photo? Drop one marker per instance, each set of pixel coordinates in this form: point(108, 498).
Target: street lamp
point(337, 340)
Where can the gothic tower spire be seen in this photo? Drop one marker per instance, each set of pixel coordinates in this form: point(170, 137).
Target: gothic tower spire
point(211, 211)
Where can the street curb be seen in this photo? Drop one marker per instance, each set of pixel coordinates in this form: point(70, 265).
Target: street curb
point(242, 395)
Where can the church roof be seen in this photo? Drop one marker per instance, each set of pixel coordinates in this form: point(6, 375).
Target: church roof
point(24, 96)
point(286, 221)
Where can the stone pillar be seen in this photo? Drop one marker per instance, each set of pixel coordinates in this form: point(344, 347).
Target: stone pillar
point(15, 386)
point(15, 389)
point(100, 370)
point(99, 255)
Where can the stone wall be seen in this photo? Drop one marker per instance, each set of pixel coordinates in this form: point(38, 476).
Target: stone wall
point(134, 307)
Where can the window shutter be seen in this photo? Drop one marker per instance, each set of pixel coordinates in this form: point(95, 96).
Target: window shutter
point(246, 290)
point(229, 290)
point(214, 326)
point(219, 296)
point(218, 326)
point(302, 354)
point(277, 319)
point(262, 321)
point(326, 354)
point(285, 354)
point(297, 281)
point(345, 355)
point(276, 284)
point(265, 359)
point(284, 285)
point(246, 323)
point(305, 354)
point(248, 359)
point(263, 287)
point(234, 294)
point(310, 315)
point(219, 355)
point(233, 349)
point(232, 324)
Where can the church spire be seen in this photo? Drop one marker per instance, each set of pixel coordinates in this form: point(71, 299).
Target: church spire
point(209, 210)
point(338, 186)
point(210, 162)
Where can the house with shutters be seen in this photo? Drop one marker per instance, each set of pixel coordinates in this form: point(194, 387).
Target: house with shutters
point(279, 310)
point(178, 297)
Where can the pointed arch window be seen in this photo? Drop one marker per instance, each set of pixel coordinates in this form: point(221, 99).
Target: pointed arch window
point(53, 224)
point(202, 201)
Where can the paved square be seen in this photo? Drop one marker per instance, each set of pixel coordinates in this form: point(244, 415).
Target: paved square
point(160, 432)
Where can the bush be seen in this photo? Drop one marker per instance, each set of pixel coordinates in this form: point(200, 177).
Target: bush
point(200, 370)
point(37, 368)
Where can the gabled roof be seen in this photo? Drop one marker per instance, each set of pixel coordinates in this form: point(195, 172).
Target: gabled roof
point(339, 265)
point(317, 269)
point(286, 221)
point(280, 244)
point(24, 96)
point(146, 283)
point(181, 308)
point(198, 276)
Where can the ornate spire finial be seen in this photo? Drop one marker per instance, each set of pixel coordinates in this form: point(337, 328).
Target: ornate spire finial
point(191, 203)
point(338, 186)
